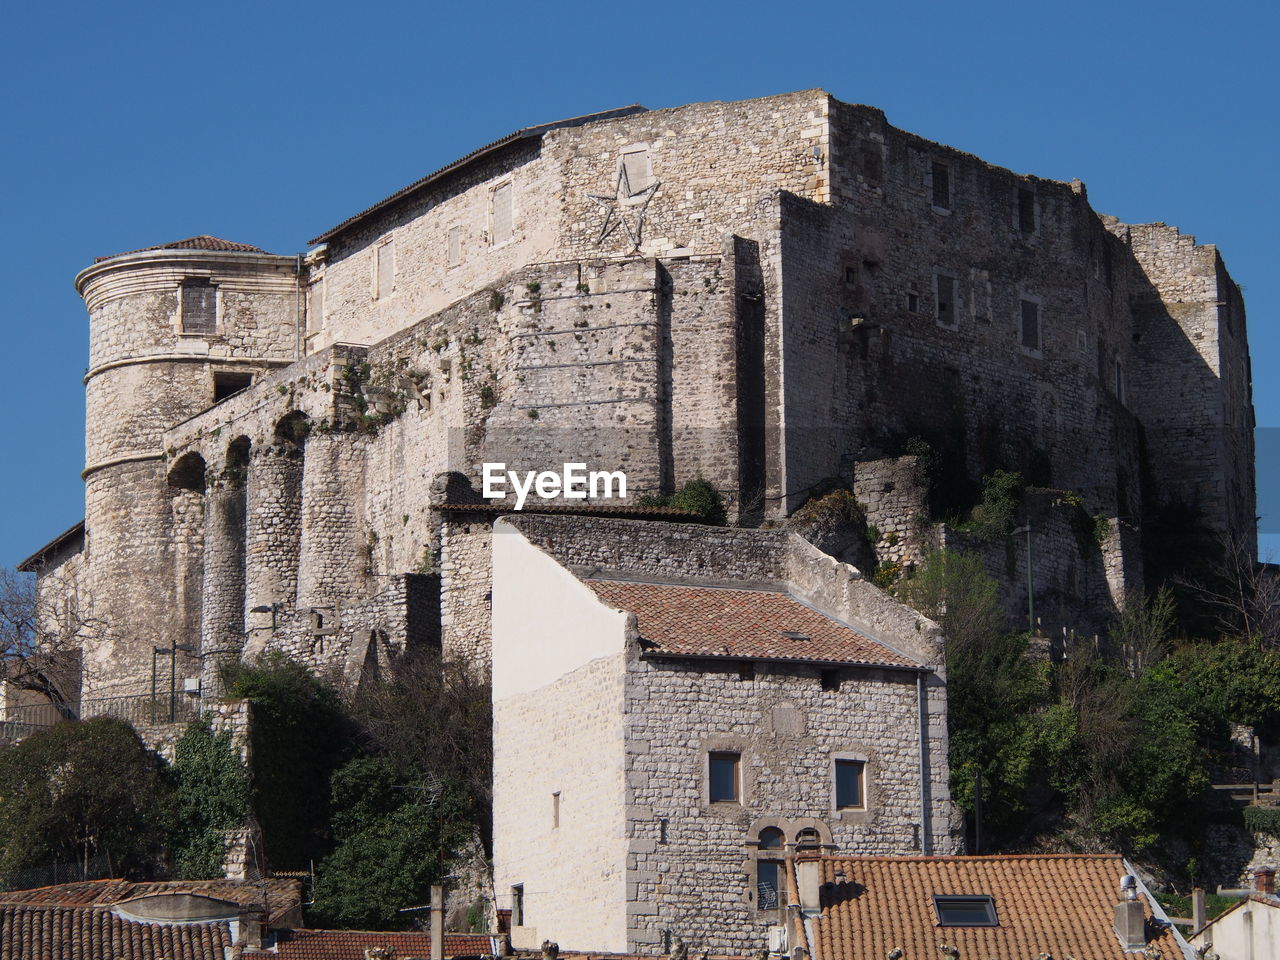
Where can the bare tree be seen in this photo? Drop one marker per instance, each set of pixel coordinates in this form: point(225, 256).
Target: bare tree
point(1244, 597)
point(41, 630)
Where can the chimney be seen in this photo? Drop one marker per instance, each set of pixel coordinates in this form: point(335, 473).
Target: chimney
point(1131, 922)
point(1264, 880)
point(1198, 912)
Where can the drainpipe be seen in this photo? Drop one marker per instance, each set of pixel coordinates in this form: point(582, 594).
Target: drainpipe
point(923, 708)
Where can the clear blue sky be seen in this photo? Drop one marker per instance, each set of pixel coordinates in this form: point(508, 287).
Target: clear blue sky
point(128, 124)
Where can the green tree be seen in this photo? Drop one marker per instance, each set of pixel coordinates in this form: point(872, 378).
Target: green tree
point(299, 736)
point(212, 796)
point(393, 841)
point(79, 790)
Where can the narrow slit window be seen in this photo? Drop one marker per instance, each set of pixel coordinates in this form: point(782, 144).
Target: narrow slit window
point(199, 306)
point(385, 270)
point(455, 246)
point(946, 300)
point(502, 224)
point(941, 178)
point(1030, 324)
point(1026, 211)
point(315, 306)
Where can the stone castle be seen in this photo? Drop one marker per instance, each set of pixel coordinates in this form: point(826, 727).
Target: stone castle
point(285, 453)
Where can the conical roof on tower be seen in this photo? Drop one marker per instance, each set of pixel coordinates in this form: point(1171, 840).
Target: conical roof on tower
point(203, 242)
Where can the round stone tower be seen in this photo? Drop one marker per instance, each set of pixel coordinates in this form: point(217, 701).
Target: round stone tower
point(173, 329)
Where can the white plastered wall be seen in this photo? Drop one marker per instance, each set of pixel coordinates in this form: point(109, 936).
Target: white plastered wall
point(558, 671)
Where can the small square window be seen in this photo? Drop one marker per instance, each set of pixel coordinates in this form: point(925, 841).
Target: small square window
point(723, 777)
point(972, 911)
point(747, 670)
point(831, 680)
point(1029, 334)
point(849, 793)
point(941, 179)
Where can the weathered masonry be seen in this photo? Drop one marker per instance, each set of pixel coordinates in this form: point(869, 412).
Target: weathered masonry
point(768, 294)
point(680, 709)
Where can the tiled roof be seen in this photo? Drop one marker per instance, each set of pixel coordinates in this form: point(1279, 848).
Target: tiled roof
point(34, 932)
point(202, 242)
point(351, 945)
point(283, 896)
point(524, 133)
point(1061, 905)
point(697, 621)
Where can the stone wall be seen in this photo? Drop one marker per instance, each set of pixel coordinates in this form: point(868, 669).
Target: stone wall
point(691, 859)
point(689, 863)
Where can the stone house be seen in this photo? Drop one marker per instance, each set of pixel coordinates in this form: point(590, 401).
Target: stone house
point(679, 709)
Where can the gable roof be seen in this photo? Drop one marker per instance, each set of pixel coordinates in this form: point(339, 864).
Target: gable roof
point(202, 242)
point(703, 621)
point(33, 562)
point(525, 133)
point(1057, 904)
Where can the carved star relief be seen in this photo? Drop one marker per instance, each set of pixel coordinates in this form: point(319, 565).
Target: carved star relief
point(626, 207)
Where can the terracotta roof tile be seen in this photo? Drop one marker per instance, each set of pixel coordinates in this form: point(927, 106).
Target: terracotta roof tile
point(351, 945)
point(202, 242)
point(283, 896)
point(1062, 905)
point(39, 932)
point(696, 621)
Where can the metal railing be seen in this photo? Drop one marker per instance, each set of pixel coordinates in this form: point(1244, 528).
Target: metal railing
point(22, 721)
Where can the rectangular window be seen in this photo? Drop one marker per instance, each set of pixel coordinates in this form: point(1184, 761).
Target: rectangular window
point(229, 384)
point(455, 246)
point(1026, 211)
point(913, 303)
point(831, 680)
point(768, 882)
point(1029, 335)
point(941, 179)
point(315, 306)
point(502, 213)
point(849, 784)
point(385, 269)
point(723, 777)
point(946, 299)
point(199, 306)
point(975, 911)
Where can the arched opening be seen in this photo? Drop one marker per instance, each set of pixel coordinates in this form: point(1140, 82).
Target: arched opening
point(188, 472)
point(293, 429)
